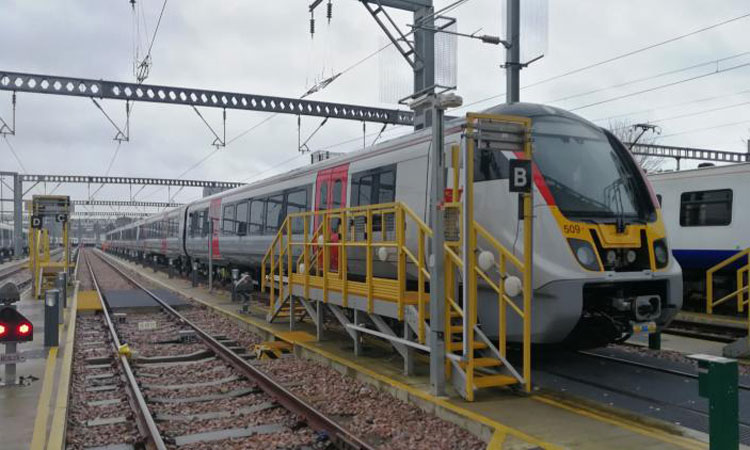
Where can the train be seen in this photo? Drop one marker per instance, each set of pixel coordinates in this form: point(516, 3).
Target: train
point(7, 248)
point(602, 265)
point(705, 211)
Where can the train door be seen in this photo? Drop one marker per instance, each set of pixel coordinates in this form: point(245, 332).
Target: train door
point(330, 193)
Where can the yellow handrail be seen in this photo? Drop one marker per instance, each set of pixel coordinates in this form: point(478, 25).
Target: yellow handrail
point(392, 235)
point(710, 301)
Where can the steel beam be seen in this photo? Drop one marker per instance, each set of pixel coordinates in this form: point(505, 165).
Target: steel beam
point(115, 90)
point(131, 203)
point(108, 214)
point(127, 180)
point(700, 154)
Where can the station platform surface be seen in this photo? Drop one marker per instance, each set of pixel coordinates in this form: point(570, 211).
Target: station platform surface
point(505, 420)
point(27, 409)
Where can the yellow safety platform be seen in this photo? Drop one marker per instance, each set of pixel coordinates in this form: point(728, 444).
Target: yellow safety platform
point(89, 301)
point(306, 268)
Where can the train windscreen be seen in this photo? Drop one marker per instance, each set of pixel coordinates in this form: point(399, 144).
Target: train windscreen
point(587, 174)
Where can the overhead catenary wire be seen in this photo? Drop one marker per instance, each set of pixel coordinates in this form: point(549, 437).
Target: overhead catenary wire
point(349, 68)
point(671, 105)
point(615, 58)
point(662, 86)
point(15, 155)
point(651, 77)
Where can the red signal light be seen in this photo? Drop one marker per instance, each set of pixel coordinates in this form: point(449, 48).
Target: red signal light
point(3, 330)
point(24, 329)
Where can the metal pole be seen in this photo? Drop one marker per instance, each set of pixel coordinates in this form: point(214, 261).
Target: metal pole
point(10, 369)
point(437, 287)
point(17, 216)
point(513, 52)
point(210, 254)
point(424, 72)
point(51, 314)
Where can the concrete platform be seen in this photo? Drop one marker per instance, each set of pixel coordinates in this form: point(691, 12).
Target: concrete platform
point(503, 419)
point(26, 411)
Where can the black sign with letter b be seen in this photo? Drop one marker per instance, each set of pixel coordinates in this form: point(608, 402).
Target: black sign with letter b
point(520, 175)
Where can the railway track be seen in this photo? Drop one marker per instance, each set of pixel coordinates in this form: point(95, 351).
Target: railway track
point(634, 383)
point(187, 386)
point(18, 272)
point(706, 331)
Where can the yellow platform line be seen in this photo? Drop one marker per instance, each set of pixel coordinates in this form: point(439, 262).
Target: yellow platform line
point(57, 431)
point(670, 438)
point(42, 406)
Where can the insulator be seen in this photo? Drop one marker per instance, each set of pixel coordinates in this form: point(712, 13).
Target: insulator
point(329, 11)
point(312, 26)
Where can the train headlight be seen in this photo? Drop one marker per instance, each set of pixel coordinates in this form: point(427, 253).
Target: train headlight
point(611, 257)
point(631, 256)
point(661, 253)
point(584, 254)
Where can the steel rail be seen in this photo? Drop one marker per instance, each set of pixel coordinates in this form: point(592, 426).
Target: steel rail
point(144, 416)
point(642, 365)
point(315, 419)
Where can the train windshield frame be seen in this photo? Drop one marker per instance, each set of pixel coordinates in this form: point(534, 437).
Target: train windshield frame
point(589, 172)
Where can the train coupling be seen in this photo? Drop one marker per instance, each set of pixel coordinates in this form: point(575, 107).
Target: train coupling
point(644, 308)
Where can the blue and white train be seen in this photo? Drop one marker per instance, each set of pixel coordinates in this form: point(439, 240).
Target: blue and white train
point(707, 215)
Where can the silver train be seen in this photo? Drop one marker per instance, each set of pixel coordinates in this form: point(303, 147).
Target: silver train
point(602, 265)
point(7, 249)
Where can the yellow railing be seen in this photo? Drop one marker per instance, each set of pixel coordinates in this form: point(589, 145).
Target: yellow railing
point(741, 294)
point(321, 259)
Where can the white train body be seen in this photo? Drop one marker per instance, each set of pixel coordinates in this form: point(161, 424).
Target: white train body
point(566, 294)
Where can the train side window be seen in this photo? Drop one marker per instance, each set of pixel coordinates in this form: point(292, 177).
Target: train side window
point(490, 165)
point(204, 221)
point(706, 208)
point(364, 196)
point(323, 199)
point(296, 202)
point(241, 219)
point(195, 224)
point(336, 198)
point(274, 212)
point(257, 212)
point(227, 224)
point(372, 187)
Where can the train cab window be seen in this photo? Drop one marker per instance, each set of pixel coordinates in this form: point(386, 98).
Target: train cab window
point(227, 224)
point(706, 208)
point(490, 165)
point(296, 202)
point(241, 219)
point(274, 211)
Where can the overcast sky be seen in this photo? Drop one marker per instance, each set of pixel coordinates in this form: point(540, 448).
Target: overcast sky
point(265, 48)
